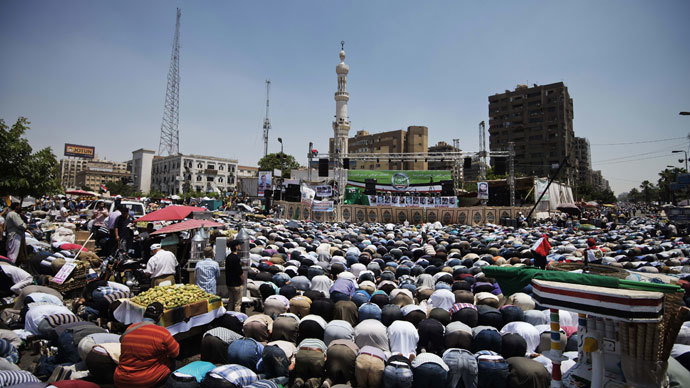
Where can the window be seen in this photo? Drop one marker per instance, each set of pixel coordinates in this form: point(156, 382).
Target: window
point(199, 165)
point(211, 166)
point(209, 179)
point(220, 179)
point(221, 167)
point(198, 178)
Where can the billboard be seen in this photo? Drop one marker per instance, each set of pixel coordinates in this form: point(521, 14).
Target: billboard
point(482, 190)
point(80, 151)
point(264, 182)
point(400, 180)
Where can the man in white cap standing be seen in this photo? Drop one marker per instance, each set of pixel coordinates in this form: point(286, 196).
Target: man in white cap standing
point(161, 266)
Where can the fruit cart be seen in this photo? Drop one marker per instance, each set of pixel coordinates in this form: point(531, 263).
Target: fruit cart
point(185, 307)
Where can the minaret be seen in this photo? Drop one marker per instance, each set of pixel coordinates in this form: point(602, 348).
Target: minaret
point(341, 125)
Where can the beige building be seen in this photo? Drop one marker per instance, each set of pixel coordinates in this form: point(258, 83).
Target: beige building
point(247, 172)
point(100, 172)
point(414, 139)
point(71, 168)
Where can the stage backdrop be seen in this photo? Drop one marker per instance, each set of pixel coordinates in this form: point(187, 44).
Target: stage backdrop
point(400, 180)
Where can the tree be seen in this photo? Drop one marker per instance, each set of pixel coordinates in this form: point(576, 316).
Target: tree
point(634, 195)
point(120, 188)
point(648, 190)
point(281, 161)
point(23, 172)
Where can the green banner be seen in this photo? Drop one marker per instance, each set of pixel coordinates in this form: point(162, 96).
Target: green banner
point(416, 177)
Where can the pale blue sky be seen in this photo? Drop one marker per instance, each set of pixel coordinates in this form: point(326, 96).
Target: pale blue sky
point(94, 72)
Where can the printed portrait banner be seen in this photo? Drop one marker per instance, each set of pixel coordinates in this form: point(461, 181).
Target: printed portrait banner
point(264, 182)
point(482, 190)
point(396, 201)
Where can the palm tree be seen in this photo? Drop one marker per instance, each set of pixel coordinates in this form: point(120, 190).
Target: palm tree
point(646, 187)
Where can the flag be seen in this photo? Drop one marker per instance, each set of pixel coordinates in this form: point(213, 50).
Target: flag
point(103, 188)
point(542, 246)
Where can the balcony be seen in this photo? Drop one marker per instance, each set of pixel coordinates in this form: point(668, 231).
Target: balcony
point(210, 171)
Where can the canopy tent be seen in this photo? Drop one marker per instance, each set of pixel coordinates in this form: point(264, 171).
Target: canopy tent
point(569, 208)
point(81, 192)
point(171, 213)
point(188, 225)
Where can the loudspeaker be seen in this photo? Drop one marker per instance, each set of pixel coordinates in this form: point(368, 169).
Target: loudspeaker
point(447, 189)
point(499, 166)
point(323, 167)
point(467, 163)
point(293, 193)
point(370, 188)
point(346, 163)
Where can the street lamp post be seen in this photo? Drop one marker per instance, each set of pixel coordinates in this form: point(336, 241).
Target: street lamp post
point(686, 157)
point(243, 238)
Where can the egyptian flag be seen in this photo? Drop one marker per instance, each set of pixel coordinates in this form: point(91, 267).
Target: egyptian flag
point(103, 188)
point(542, 246)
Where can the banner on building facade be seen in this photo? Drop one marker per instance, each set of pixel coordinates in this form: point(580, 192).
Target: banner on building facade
point(307, 195)
point(482, 190)
point(400, 180)
point(411, 201)
point(264, 182)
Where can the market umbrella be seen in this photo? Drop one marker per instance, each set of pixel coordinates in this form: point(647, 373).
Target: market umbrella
point(569, 208)
point(188, 225)
point(170, 213)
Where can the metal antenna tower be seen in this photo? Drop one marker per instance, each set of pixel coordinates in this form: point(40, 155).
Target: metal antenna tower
point(170, 134)
point(482, 150)
point(267, 121)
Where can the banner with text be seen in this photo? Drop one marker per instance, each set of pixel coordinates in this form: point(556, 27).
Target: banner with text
point(324, 191)
point(400, 180)
point(397, 201)
point(322, 206)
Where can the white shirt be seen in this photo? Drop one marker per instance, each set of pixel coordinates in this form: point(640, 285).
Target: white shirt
point(15, 273)
point(37, 312)
point(371, 332)
point(403, 338)
point(161, 264)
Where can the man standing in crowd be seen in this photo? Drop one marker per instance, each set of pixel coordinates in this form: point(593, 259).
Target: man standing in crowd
point(147, 352)
point(207, 271)
point(110, 223)
point(161, 266)
point(234, 277)
point(15, 228)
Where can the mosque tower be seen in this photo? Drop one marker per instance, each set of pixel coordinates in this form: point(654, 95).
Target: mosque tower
point(341, 125)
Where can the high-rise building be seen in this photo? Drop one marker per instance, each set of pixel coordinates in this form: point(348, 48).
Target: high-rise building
point(539, 120)
point(583, 161)
point(413, 140)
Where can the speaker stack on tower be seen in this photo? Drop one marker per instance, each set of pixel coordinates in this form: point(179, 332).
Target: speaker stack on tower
point(293, 194)
point(447, 189)
point(323, 167)
point(500, 166)
point(370, 187)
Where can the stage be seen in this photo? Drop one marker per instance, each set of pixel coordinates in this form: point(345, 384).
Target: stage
point(477, 215)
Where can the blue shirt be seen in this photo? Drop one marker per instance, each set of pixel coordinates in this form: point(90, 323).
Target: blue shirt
point(206, 272)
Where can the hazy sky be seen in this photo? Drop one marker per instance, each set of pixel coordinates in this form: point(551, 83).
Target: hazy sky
point(94, 72)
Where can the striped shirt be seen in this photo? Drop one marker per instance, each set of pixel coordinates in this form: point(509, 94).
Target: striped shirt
point(8, 351)
point(12, 377)
point(236, 374)
point(146, 354)
point(424, 358)
point(206, 273)
point(313, 343)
